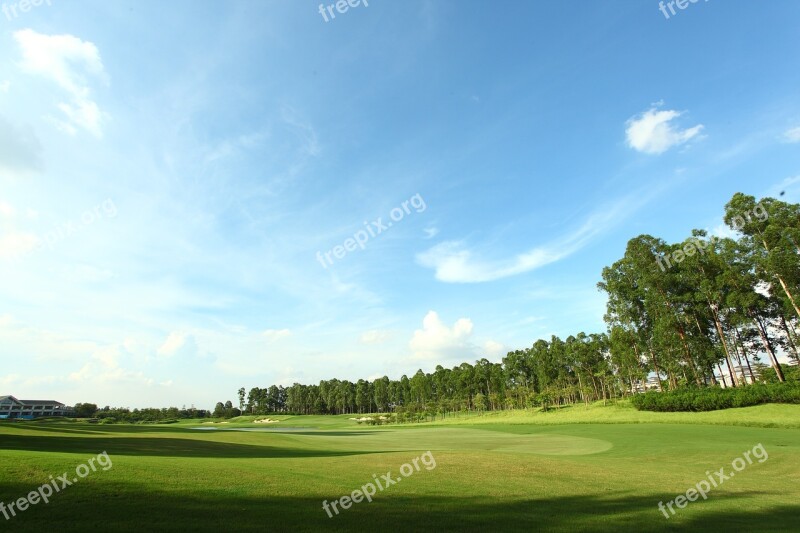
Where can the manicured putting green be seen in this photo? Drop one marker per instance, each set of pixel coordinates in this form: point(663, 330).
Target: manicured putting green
point(450, 439)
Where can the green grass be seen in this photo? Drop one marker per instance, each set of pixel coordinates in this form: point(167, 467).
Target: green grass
point(770, 415)
point(575, 469)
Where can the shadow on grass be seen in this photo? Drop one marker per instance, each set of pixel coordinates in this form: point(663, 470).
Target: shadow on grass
point(62, 428)
point(92, 505)
point(160, 446)
point(323, 433)
point(84, 428)
point(112, 429)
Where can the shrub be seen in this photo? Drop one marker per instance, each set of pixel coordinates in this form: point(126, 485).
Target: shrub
point(715, 398)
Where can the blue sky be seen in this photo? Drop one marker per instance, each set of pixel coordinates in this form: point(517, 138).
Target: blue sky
point(169, 172)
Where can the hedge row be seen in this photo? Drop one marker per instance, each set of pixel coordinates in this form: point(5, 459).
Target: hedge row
point(714, 398)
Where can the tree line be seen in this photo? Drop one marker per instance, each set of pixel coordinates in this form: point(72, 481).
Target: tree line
point(679, 313)
point(109, 414)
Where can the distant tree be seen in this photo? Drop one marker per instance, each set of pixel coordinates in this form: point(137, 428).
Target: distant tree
point(480, 402)
point(85, 410)
point(241, 399)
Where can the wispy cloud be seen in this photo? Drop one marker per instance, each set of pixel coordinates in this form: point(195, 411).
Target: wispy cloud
point(455, 263)
point(790, 187)
point(653, 132)
point(67, 61)
point(14, 243)
point(431, 232)
point(273, 335)
point(178, 344)
point(374, 336)
point(792, 135)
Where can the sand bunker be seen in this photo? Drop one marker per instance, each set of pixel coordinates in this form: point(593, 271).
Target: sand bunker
point(265, 421)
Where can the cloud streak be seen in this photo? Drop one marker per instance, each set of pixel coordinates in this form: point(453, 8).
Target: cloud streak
point(455, 263)
point(792, 135)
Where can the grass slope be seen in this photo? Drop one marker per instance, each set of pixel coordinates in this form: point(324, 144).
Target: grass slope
point(559, 471)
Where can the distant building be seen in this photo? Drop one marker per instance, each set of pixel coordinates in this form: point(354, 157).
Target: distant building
point(644, 386)
point(653, 383)
point(10, 407)
point(741, 372)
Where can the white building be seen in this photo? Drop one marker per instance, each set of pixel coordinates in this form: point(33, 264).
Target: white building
point(11, 407)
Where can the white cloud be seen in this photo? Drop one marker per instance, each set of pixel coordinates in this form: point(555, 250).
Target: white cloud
point(83, 273)
point(436, 341)
point(430, 233)
point(494, 349)
point(274, 335)
point(68, 61)
point(653, 132)
point(374, 336)
point(6, 210)
point(14, 244)
point(454, 263)
point(722, 231)
point(89, 373)
point(10, 379)
point(305, 132)
point(108, 355)
point(178, 344)
point(85, 114)
point(230, 147)
point(792, 135)
point(5, 86)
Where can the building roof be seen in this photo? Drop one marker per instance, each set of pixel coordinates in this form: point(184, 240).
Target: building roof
point(29, 402)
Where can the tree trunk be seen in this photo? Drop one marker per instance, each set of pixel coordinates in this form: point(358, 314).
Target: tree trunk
point(783, 283)
point(722, 375)
point(788, 294)
point(658, 372)
point(721, 334)
point(580, 385)
point(792, 345)
point(765, 340)
point(688, 354)
point(744, 354)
